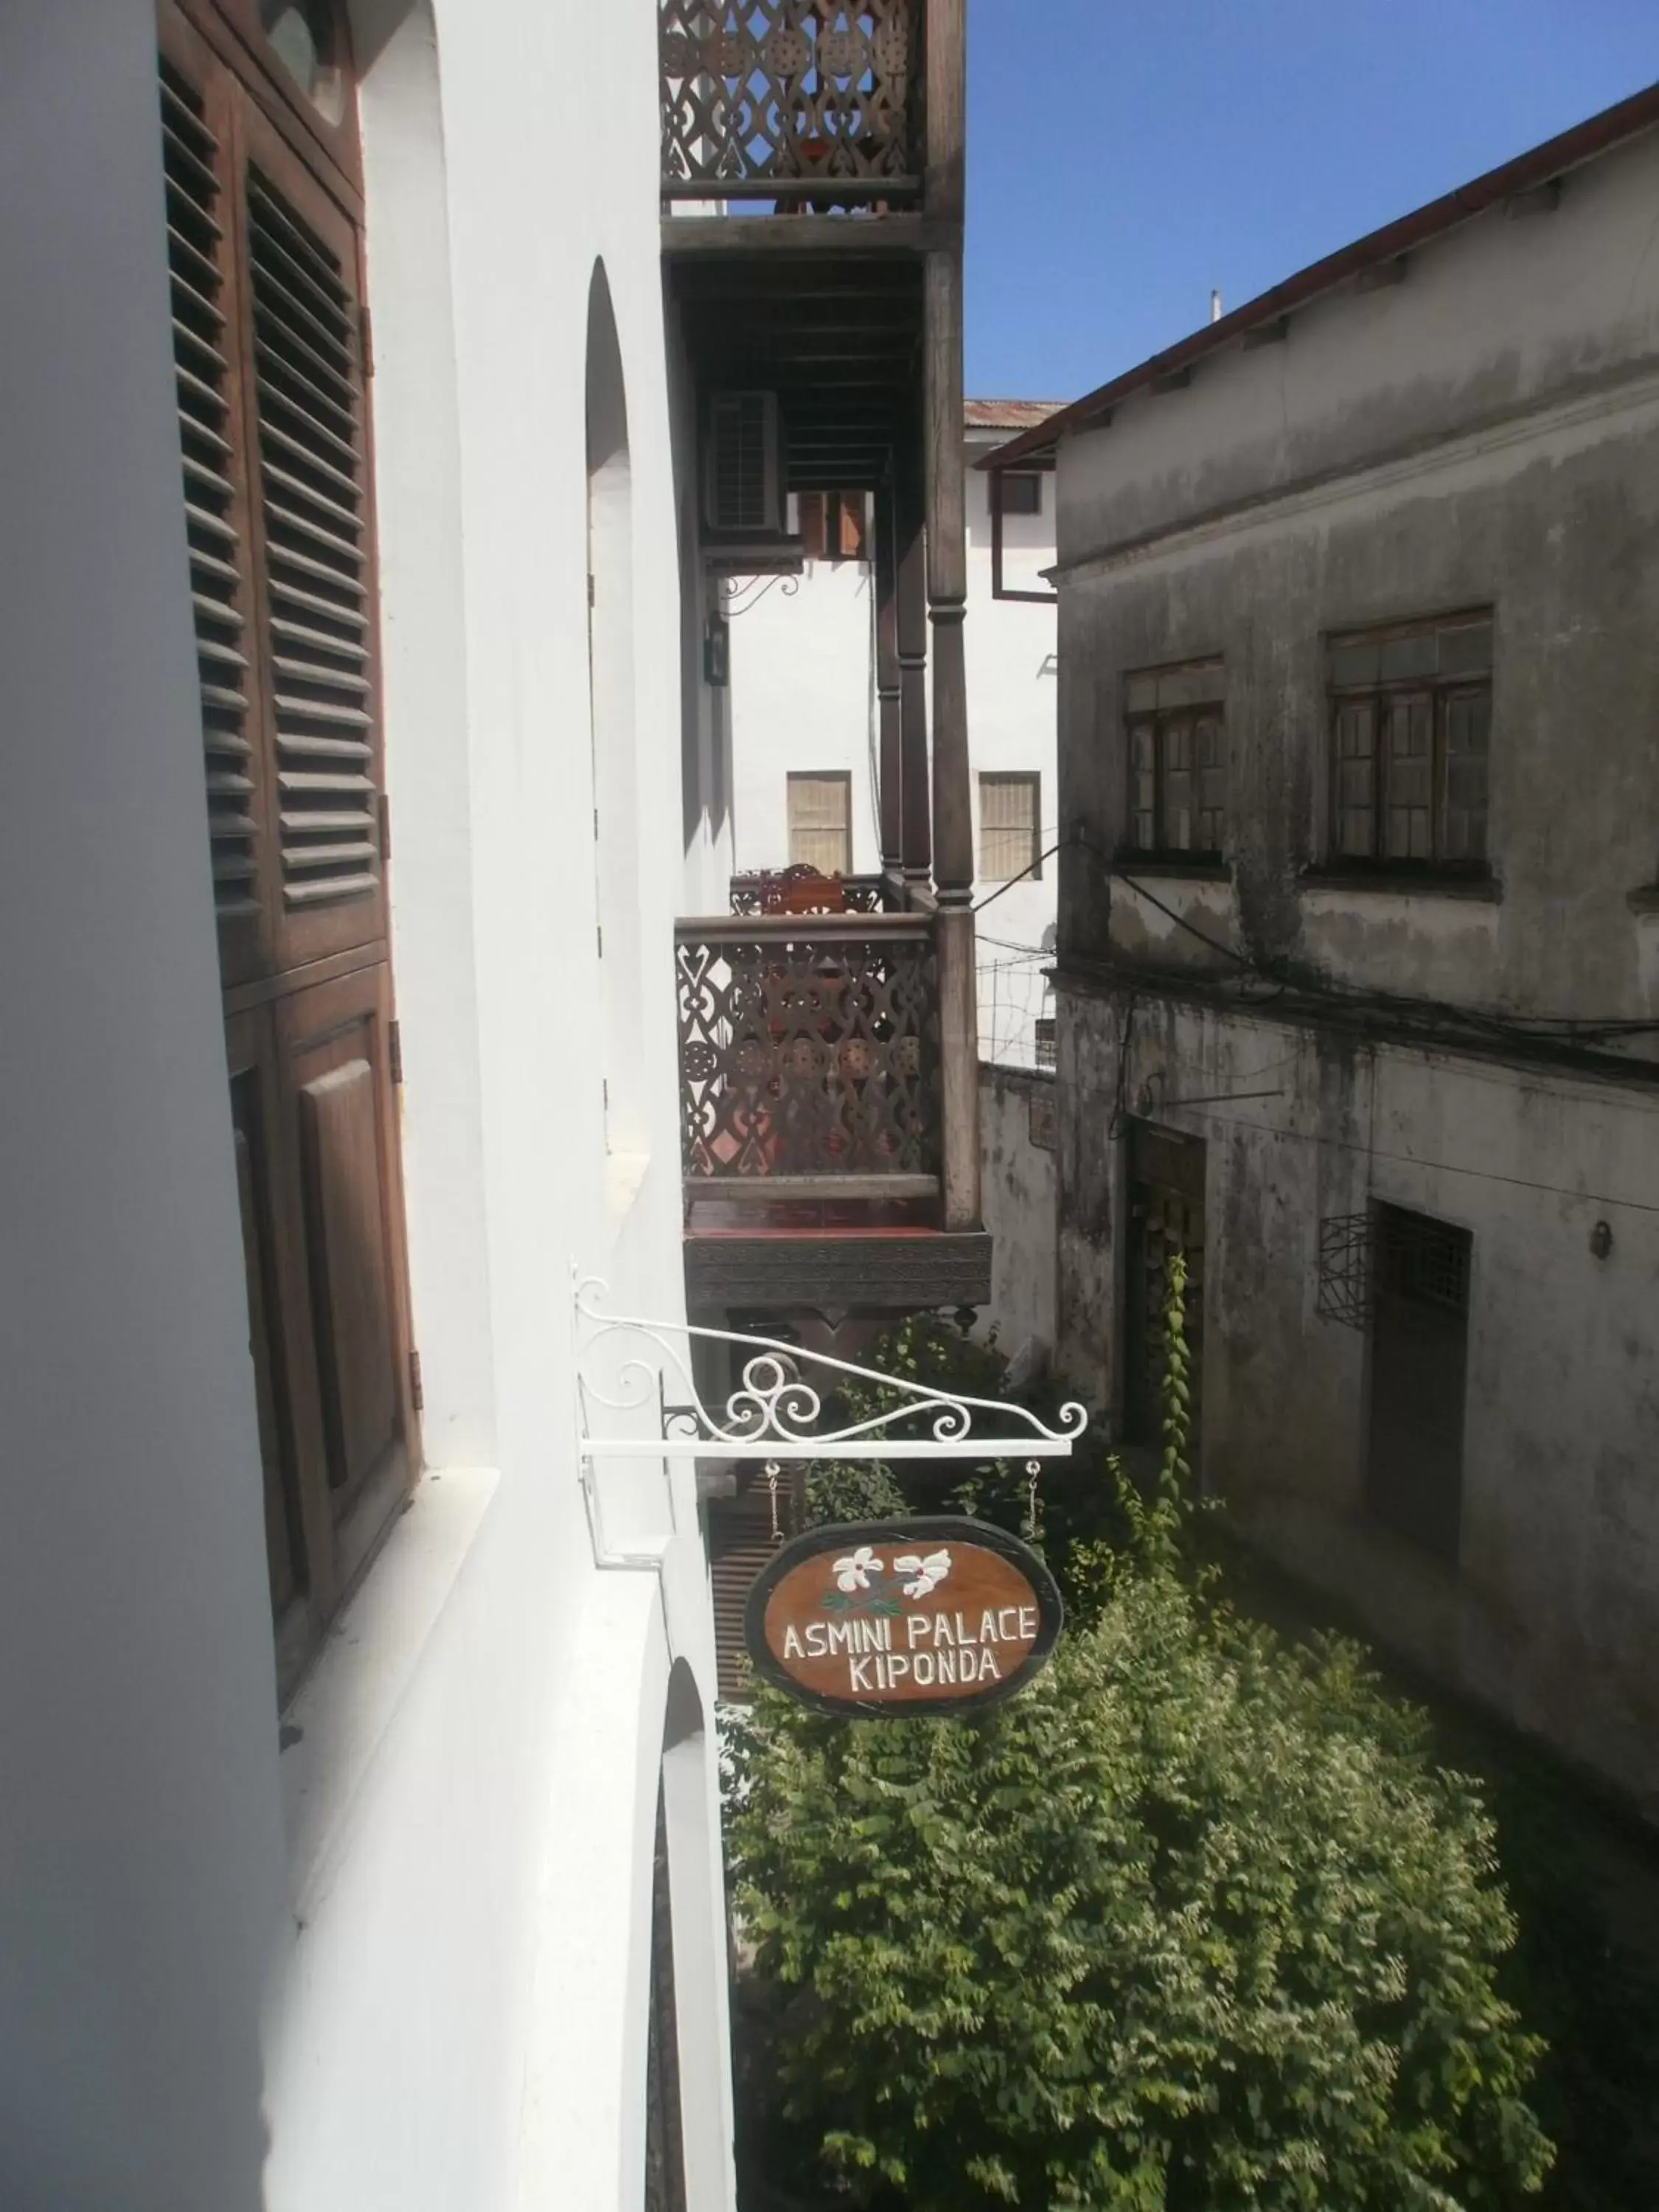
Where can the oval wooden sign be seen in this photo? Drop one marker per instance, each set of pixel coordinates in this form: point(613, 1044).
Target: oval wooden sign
point(911, 1617)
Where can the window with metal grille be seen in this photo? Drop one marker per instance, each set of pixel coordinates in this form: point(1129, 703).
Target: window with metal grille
point(1009, 814)
point(820, 813)
point(1176, 721)
point(1046, 1033)
point(1411, 727)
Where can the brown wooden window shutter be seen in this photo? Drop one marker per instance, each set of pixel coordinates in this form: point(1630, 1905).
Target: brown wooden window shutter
point(265, 257)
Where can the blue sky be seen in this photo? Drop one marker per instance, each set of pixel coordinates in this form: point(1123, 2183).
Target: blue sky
point(1124, 155)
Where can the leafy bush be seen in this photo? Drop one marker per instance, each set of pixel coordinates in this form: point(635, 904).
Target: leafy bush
point(851, 1490)
point(1191, 1926)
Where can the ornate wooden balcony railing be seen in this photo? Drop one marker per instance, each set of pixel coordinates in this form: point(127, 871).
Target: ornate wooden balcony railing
point(811, 104)
point(809, 1057)
point(803, 890)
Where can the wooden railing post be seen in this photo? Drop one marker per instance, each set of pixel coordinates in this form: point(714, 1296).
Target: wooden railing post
point(912, 642)
point(891, 827)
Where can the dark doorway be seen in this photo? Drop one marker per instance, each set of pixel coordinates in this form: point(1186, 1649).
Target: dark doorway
point(1419, 1360)
point(1166, 1216)
point(665, 2145)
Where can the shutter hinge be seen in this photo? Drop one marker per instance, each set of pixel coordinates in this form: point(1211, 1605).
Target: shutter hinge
point(365, 340)
point(394, 1043)
point(417, 1393)
point(385, 828)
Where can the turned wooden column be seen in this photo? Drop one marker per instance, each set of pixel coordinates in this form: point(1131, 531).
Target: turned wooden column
point(953, 818)
point(912, 642)
point(892, 825)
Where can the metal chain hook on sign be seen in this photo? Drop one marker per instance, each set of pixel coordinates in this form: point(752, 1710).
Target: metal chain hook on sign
point(1033, 1504)
point(773, 1471)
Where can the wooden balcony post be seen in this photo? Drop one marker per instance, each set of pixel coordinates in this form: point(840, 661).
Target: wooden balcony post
point(891, 828)
point(947, 598)
point(911, 612)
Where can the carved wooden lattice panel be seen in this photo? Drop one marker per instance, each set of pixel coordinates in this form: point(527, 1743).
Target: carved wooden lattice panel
point(805, 1056)
point(786, 91)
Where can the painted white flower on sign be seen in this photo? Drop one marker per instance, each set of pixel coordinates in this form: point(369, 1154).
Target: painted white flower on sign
point(926, 1574)
point(853, 1572)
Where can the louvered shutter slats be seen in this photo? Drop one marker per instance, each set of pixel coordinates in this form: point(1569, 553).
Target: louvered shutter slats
point(192, 164)
point(308, 402)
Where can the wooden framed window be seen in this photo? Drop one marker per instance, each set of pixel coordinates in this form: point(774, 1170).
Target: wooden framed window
point(1411, 727)
point(264, 258)
point(1021, 491)
point(1176, 731)
point(834, 525)
point(820, 814)
point(1010, 826)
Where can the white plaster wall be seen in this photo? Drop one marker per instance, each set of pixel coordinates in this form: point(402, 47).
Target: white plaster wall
point(1020, 1192)
point(404, 1962)
point(1012, 687)
point(1550, 1618)
point(802, 698)
point(141, 1853)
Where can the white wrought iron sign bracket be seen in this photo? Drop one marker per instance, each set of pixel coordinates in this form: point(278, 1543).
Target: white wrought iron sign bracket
point(626, 1366)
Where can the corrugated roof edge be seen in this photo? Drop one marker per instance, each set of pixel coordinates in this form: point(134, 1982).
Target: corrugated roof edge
point(1008, 414)
point(1628, 119)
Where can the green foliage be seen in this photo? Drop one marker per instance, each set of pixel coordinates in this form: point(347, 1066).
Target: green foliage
point(851, 1490)
point(1191, 1926)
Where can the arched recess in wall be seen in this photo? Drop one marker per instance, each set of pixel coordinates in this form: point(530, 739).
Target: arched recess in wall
point(610, 665)
point(687, 2111)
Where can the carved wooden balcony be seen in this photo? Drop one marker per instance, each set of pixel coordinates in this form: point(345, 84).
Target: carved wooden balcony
point(808, 104)
point(803, 890)
point(811, 1103)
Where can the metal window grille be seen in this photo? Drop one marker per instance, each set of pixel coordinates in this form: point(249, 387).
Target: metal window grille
point(1048, 1045)
point(1390, 1250)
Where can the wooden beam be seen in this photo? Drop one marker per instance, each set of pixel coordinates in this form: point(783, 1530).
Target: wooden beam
point(800, 237)
point(915, 829)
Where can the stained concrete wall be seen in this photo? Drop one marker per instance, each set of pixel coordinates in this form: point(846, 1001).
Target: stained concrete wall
point(1484, 432)
point(1019, 1188)
point(1551, 1615)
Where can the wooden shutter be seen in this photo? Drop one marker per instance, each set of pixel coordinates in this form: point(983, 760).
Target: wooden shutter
point(820, 823)
point(265, 257)
point(1007, 826)
point(850, 526)
point(809, 513)
point(197, 163)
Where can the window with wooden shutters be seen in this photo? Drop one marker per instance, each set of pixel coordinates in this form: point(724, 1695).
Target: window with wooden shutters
point(833, 526)
point(1176, 744)
point(821, 823)
point(263, 256)
point(1009, 808)
point(1410, 723)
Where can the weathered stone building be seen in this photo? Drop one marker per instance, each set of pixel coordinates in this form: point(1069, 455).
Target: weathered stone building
point(1359, 935)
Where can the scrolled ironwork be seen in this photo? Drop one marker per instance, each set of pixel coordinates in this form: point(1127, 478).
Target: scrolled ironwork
point(785, 93)
point(806, 1052)
point(775, 1412)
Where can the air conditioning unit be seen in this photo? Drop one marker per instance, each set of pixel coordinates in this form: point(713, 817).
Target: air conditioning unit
point(745, 478)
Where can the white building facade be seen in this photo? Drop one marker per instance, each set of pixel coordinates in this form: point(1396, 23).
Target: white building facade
point(1360, 964)
point(806, 724)
point(455, 1936)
